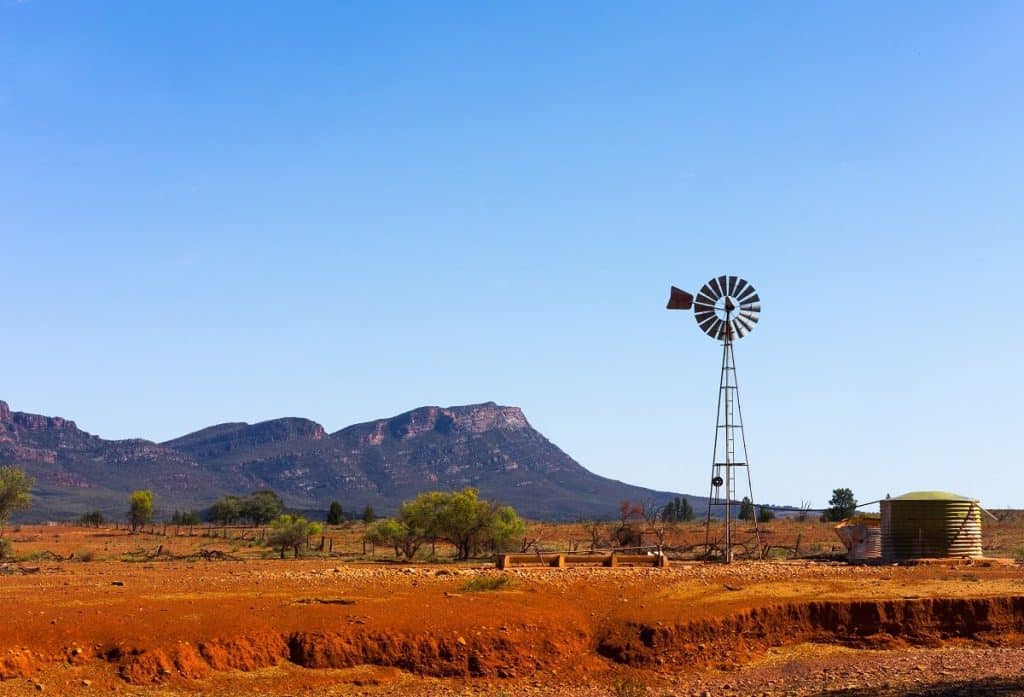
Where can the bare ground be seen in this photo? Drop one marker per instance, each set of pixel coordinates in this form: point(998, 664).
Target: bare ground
point(321, 626)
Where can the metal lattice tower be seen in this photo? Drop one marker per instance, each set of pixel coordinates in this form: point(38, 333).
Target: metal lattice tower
point(726, 308)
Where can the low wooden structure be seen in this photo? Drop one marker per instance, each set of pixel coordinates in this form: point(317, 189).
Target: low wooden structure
point(561, 561)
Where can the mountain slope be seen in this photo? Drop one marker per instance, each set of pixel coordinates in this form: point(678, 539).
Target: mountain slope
point(380, 463)
point(76, 471)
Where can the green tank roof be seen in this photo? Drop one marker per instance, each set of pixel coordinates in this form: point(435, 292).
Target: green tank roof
point(931, 496)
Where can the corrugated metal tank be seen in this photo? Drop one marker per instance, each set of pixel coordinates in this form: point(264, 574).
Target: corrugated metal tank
point(930, 525)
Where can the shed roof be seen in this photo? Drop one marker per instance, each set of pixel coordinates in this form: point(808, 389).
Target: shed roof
point(931, 496)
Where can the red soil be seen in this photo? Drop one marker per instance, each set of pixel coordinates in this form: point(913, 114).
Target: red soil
point(182, 627)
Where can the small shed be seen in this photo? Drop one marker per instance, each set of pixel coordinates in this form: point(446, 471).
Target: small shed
point(930, 525)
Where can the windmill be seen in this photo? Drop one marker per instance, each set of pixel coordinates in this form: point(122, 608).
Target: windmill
point(726, 308)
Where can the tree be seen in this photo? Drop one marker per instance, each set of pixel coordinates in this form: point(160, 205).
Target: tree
point(626, 533)
point(94, 518)
point(15, 493)
point(746, 509)
point(291, 532)
point(395, 534)
point(677, 511)
point(505, 526)
point(140, 508)
point(369, 515)
point(335, 516)
point(261, 507)
point(185, 518)
point(765, 515)
point(225, 510)
point(842, 505)
point(459, 517)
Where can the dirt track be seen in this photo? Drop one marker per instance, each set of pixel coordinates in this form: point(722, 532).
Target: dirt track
point(320, 627)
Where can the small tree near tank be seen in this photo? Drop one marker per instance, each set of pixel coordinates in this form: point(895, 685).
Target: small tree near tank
point(140, 508)
point(842, 505)
point(290, 532)
point(746, 509)
point(15, 486)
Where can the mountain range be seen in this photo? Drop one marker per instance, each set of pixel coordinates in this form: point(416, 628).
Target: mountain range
point(378, 463)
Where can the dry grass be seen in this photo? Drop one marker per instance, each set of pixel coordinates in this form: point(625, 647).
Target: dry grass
point(782, 539)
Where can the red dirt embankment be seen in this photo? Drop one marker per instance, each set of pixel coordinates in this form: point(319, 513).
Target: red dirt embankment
point(490, 655)
point(731, 640)
point(182, 624)
point(737, 638)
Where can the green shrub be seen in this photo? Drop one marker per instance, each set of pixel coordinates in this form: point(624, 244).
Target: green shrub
point(487, 583)
point(629, 687)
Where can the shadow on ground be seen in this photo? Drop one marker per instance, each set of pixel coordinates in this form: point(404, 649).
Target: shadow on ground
point(1003, 687)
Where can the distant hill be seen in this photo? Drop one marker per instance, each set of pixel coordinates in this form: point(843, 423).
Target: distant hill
point(380, 463)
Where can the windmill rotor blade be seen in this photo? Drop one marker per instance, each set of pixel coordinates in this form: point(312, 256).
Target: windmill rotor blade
point(679, 300)
point(704, 299)
point(748, 296)
point(751, 307)
point(745, 324)
point(705, 324)
point(713, 285)
point(740, 286)
point(732, 285)
point(749, 317)
point(723, 282)
point(702, 315)
point(711, 289)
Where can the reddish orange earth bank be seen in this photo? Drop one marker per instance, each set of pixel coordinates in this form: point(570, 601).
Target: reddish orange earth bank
point(323, 627)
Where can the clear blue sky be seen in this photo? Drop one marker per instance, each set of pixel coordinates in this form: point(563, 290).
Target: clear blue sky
point(239, 211)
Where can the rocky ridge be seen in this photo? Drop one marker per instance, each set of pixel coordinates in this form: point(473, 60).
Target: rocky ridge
point(380, 463)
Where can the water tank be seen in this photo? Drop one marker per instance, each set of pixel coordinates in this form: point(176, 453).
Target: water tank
point(930, 525)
